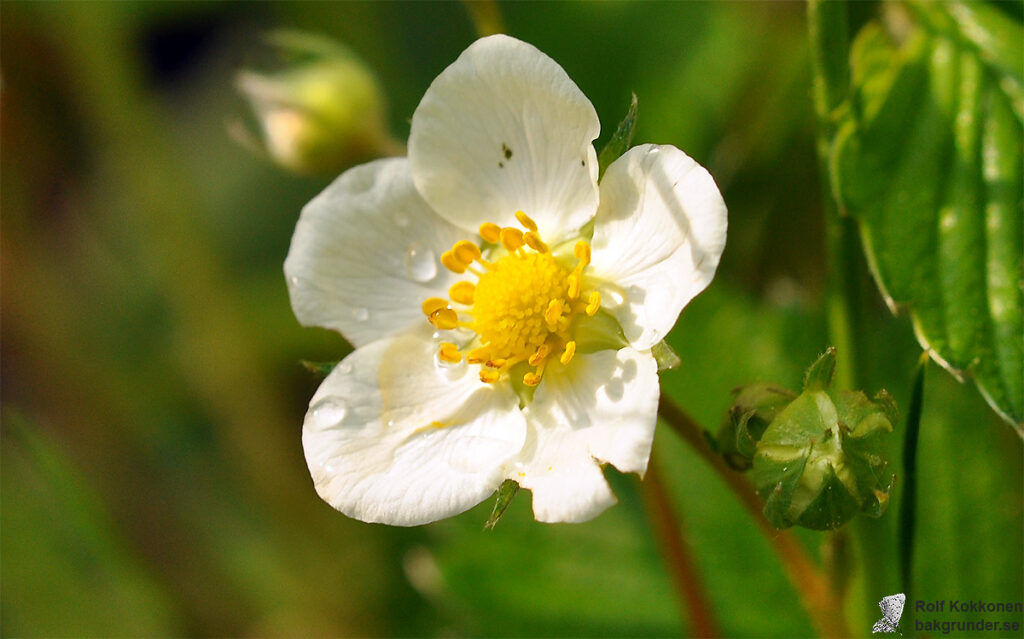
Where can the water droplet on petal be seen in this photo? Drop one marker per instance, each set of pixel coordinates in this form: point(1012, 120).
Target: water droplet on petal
point(328, 412)
point(420, 262)
point(360, 314)
point(344, 368)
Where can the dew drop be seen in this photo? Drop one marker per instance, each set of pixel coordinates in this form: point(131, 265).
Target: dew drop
point(420, 262)
point(328, 412)
point(360, 314)
point(344, 368)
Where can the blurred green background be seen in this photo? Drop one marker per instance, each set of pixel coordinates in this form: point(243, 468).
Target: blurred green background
point(153, 481)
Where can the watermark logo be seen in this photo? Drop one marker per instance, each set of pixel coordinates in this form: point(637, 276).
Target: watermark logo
point(892, 610)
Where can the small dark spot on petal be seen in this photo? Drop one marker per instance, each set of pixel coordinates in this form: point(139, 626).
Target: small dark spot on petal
point(501, 165)
point(583, 162)
point(506, 151)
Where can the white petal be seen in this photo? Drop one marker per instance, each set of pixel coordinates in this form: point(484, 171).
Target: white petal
point(658, 236)
point(504, 129)
point(365, 254)
point(392, 437)
point(602, 407)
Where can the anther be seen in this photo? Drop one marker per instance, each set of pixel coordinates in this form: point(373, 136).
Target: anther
point(511, 239)
point(531, 379)
point(444, 319)
point(465, 251)
point(450, 353)
point(526, 221)
point(489, 376)
point(539, 356)
point(570, 350)
point(533, 241)
point(593, 303)
point(553, 311)
point(490, 232)
point(432, 304)
point(582, 252)
point(496, 363)
point(462, 292)
point(453, 263)
point(574, 286)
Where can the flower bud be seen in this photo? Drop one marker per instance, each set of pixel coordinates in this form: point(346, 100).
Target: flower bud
point(320, 114)
point(821, 459)
point(754, 408)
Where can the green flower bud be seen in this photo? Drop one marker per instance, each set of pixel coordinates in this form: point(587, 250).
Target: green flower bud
point(751, 412)
point(320, 114)
point(820, 461)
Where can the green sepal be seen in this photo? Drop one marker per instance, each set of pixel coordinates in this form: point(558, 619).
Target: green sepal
point(323, 369)
point(751, 412)
point(666, 357)
point(620, 140)
point(819, 375)
point(505, 492)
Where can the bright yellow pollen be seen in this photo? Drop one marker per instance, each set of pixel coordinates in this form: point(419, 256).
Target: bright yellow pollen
point(432, 304)
point(517, 303)
point(511, 238)
point(521, 307)
point(570, 350)
point(526, 221)
point(490, 232)
point(450, 353)
point(465, 251)
point(462, 292)
point(453, 263)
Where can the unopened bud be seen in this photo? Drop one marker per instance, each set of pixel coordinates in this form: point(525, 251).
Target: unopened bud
point(821, 460)
point(321, 113)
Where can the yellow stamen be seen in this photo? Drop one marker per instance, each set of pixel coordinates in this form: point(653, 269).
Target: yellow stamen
point(511, 239)
point(490, 232)
point(450, 353)
point(582, 252)
point(553, 312)
point(432, 304)
point(539, 356)
point(489, 376)
point(453, 263)
point(531, 379)
point(533, 241)
point(477, 356)
point(593, 303)
point(570, 350)
point(462, 292)
point(526, 221)
point(466, 251)
point(444, 319)
point(574, 286)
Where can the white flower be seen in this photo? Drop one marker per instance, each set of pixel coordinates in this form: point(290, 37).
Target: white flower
point(502, 306)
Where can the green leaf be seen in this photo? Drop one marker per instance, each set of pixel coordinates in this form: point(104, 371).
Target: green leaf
point(928, 160)
point(621, 139)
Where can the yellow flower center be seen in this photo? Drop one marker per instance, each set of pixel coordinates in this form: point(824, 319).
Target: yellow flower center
point(521, 307)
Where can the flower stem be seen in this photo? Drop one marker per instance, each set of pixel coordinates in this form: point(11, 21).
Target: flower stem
point(671, 536)
point(815, 593)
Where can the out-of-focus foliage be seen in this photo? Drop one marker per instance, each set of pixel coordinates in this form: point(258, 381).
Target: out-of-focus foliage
point(929, 159)
point(153, 481)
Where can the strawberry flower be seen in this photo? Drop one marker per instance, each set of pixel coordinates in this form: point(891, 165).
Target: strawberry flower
point(501, 303)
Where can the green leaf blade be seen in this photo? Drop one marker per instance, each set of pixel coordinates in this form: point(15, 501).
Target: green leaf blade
point(928, 160)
